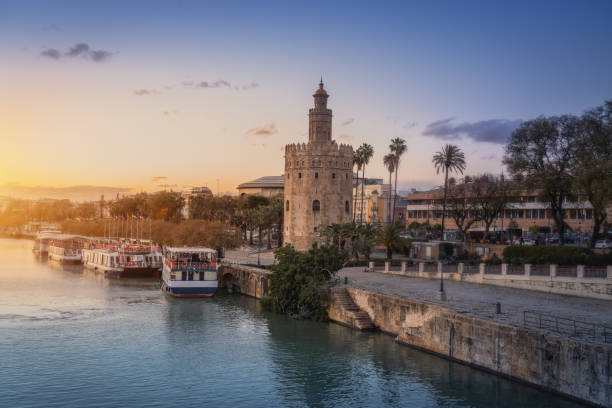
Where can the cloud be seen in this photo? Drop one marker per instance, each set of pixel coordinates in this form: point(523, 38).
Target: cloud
point(488, 157)
point(490, 131)
point(100, 55)
point(345, 136)
point(155, 179)
point(348, 122)
point(81, 50)
point(146, 92)
point(51, 27)
point(221, 83)
point(409, 125)
point(51, 53)
point(252, 85)
point(264, 131)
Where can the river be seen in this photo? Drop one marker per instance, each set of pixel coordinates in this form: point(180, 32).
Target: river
point(71, 338)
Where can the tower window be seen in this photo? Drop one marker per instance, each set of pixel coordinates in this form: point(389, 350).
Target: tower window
point(288, 175)
point(347, 206)
point(316, 206)
point(333, 175)
point(316, 175)
point(346, 176)
point(287, 205)
point(299, 175)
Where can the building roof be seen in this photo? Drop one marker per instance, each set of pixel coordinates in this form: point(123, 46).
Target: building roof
point(265, 182)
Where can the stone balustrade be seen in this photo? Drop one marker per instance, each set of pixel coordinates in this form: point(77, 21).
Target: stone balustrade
point(578, 280)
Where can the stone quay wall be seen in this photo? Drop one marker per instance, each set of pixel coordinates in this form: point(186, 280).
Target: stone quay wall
point(577, 370)
point(577, 280)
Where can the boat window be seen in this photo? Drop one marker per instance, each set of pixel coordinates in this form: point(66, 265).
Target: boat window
point(183, 275)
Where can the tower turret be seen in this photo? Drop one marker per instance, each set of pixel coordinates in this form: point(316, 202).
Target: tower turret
point(320, 118)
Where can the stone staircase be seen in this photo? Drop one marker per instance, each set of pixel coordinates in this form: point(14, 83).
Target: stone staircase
point(355, 317)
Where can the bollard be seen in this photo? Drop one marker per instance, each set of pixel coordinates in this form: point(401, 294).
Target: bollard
point(498, 308)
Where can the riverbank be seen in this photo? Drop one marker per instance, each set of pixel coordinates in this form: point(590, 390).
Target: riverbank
point(466, 328)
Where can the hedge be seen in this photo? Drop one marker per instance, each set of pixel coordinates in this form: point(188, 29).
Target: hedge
point(559, 255)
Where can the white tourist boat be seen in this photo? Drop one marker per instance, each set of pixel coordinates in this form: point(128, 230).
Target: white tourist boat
point(123, 259)
point(66, 249)
point(42, 240)
point(190, 272)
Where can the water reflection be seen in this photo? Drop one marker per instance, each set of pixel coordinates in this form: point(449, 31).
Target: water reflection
point(71, 337)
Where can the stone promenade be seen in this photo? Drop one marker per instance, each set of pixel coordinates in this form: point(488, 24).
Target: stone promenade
point(479, 300)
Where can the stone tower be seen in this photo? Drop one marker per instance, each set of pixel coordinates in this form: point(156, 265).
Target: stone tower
point(318, 179)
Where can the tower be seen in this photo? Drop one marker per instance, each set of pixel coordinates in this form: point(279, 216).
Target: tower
point(318, 179)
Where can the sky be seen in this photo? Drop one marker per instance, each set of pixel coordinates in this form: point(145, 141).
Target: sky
point(135, 95)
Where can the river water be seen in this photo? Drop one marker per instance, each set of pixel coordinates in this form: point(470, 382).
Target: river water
point(70, 338)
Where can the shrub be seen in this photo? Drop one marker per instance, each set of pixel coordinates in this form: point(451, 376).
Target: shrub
point(297, 280)
point(563, 255)
point(446, 250)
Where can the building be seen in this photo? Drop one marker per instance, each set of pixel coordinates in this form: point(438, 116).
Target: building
point(268, 186)
point(318, 178)
point(191, 192)
point(375, 201)
point(528, 211)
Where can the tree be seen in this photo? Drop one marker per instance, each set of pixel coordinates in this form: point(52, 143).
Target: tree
point(389, 162)
point(367, 151)
point(490, 195)
point(278, 211)
point(167, 205)
point(297, 278)
point(366, 235)
point(390, 238)
point(461, 207)
point(542, 152)
point(594, 163)
point(398, 148)
point(358, 162)
point(450, 158)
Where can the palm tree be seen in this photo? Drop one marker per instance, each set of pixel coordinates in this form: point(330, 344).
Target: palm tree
point(357, 161)
point(390, 238)
point(450, 158)
point(367, 151)
point(398, 148)
point(389, 162)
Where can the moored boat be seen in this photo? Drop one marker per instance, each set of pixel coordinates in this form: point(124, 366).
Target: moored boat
point(189, 272)
point(65, 249)
point(119, 259)
point(42, 240)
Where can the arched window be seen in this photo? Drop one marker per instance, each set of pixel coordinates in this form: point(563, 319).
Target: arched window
point(287, 206)
point(316, 175)
point(299, 175)
point(333, 175)
point(347, 206)
point(316, 206)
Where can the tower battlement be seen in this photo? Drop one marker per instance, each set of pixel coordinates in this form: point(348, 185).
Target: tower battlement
point(331, 147)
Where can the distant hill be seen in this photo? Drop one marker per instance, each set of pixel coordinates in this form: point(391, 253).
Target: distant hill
point(74, 193)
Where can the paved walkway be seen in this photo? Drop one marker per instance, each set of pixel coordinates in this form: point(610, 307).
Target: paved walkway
point(479, 300)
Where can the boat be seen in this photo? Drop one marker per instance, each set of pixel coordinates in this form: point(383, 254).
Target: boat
point(123, 259)
point(65, 249)
point(189, 272)
point(41, 242)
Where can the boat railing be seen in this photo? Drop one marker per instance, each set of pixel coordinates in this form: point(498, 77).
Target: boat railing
point(194, 266)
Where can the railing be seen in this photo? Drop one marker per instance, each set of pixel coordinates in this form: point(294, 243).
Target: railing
point(515, 269)
point(493, 269)
point(449, 268)
point(191, 266)
point(430, 267)
point(540, 270)
point(567, 326)
point(471, 268)
point(567, 271)
point(595, 272)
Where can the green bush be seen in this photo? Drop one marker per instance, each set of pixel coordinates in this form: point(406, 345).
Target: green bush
point(446, 250)
point(563, 255)
point(297, 280)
